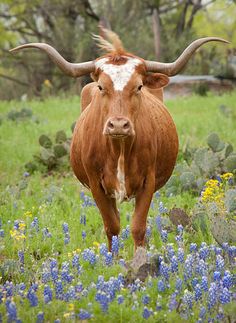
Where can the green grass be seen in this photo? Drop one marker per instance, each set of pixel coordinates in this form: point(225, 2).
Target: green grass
point(56, 199)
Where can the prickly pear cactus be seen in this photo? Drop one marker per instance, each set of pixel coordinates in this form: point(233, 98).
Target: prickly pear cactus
point(59, 151)
point(214, 142)
point(206, 160)
point(48, 158)
point(230, 200)
point(45, 141)
point(223, 230)
point(60, 137)
point(230, 163)
point(187, 179)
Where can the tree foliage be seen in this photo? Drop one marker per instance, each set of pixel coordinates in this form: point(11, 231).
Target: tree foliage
point(153, 29)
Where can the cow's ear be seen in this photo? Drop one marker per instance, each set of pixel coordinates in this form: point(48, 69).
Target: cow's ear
point(155, 80)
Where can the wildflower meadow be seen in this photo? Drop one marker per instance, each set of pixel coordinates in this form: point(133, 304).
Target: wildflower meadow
point(54, 261)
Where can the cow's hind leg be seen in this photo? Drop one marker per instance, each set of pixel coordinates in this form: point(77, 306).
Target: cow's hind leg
point(109, 212)
point(139, 221)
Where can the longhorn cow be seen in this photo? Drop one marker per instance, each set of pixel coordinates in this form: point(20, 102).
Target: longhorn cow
point(125, 142)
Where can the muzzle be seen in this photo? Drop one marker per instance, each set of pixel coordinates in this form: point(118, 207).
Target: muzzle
point(118, 127)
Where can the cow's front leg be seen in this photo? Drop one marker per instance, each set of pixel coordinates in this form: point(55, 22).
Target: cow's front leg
point(109, 212)
point(139, 221)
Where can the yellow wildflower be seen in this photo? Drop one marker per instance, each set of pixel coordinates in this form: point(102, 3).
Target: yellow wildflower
point(47, 83)
point(226, 176)
point(22, 226)
point(212, 183)
point(96, 244)
point(66, 315)
point(71, 307)
point(78, 250)
point(28, 214)
point(69, 254)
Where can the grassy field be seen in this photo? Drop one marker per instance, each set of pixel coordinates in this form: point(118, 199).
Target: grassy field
point(35, 211)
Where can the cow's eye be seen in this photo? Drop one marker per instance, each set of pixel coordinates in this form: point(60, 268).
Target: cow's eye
point(100, 88)
point(140, 87)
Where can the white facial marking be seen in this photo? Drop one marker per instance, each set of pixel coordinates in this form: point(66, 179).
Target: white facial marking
point(119, 74)
point(120, 193)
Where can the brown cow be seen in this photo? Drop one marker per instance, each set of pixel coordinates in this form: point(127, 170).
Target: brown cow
point(125, 142)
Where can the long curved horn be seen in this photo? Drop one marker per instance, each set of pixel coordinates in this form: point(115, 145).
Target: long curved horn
point(174, 68)
point(71, 69)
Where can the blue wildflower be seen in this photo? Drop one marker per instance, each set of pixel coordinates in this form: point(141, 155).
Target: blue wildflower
point(172, 302)
point(197, 292)
point(204, 283)
point(180, 255)
point(174, 264)
point(115, 245)
point(160, 285)
point(145, 299)
point(188, 299)
point(193, 247)
point(11, 310)
point(47, 293)
point(1, 233)
point(120, 299)
point(212, 295)
point(108, 259)
point(84, 315)
point(40, 317)
point(219, 263)
point(224, 296)
point(147, 313)
point(164, 235)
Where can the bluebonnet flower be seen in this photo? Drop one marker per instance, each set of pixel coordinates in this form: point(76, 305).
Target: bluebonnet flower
point(75, 260)
point(180, 229)
point(125, 232)
point(84, 315)
point(40, 317)
point(224, 296)
point(21, 260)
point(178, 284)
point(46, 233)
point(227, 279)
point(162, 208)
point(83, 234)
point(218, 251)
point(201, 268)
point(212, 295)
point(194, 282)
point(54, 273)
point(59, 289)
point(148, 232)
point(83, 219)
point(115, 245)
point(159, 223)
point(16, 224)
point(164, 270)
point(202, 313)
point(35, 224)
point(193, 247)
point(172, 302)
point(120, 299)
point(170, 250)
point(79, 287)
point(90, 256)
point(232, 251)
point(160, 285)
point(216, 275)
point(180, 255)
point(1, 233)
point(147, 313)
point(197, 292)
point(174, 264)
point(204, 283)
point(9, 289)
point(103, 299)
point(164, 235)
point(145, 299)
point(108, 259)
point(103, 249)
point(47, 293)
point(219, 263)
point(32, 297)
point(204, 252)
point(188, 267)
point(158, 306)
point(122, 262)
point(188, 298)
point(11, 310)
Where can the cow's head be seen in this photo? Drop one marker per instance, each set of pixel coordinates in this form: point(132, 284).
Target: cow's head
point(121, 81)
point(121, 78)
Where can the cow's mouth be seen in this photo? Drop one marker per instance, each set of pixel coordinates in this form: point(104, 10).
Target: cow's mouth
point(117, 136)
